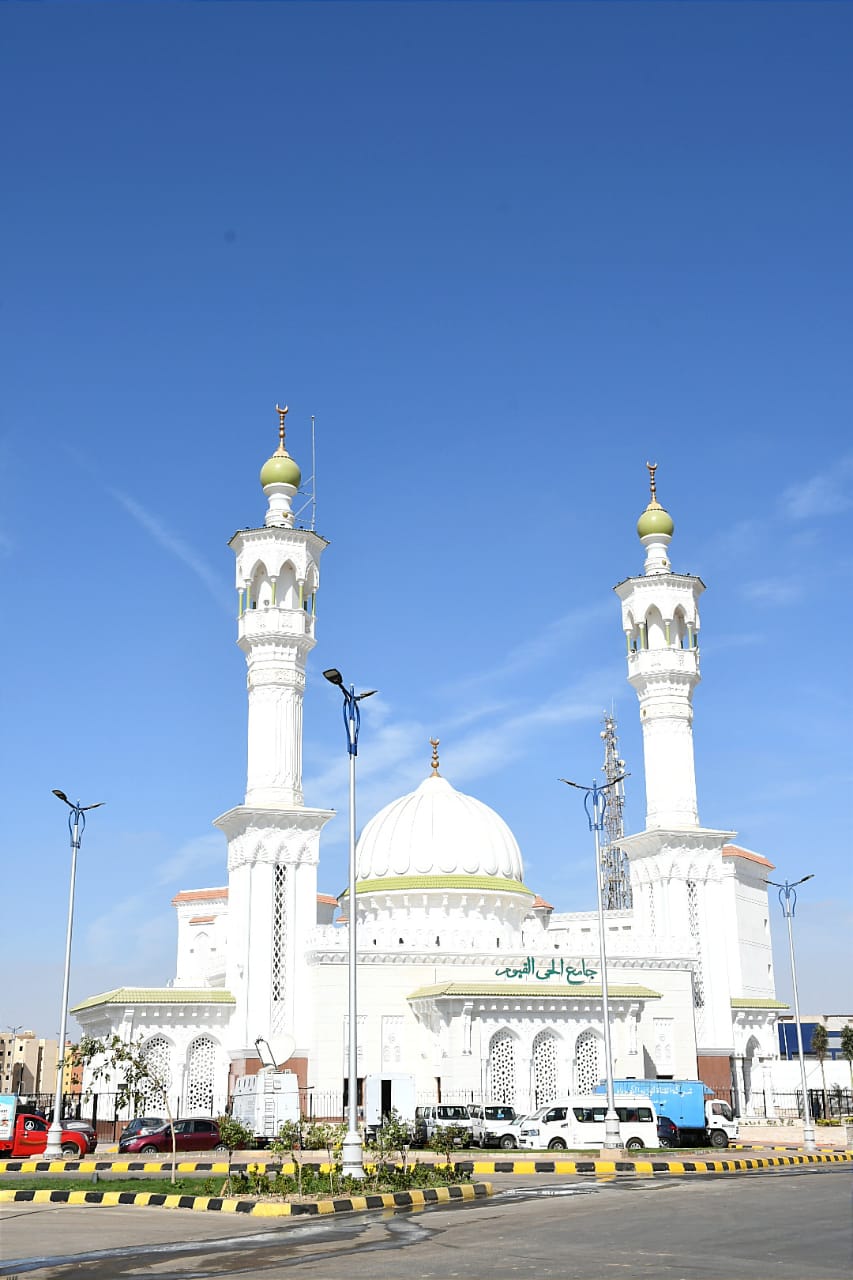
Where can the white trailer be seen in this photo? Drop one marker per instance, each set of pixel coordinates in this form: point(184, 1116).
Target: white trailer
point(263, 1102)
point(384, 1092)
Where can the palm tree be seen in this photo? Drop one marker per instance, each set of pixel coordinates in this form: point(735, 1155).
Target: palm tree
point(847, 1048)
point(820, 1046)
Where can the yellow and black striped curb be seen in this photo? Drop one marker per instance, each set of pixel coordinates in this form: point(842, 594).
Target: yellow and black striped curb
point(603, 1168)
point(256, 1208)
point(597, 1168)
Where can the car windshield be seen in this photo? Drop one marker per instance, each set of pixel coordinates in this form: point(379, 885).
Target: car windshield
point(454, 1113)
point(500, 1113)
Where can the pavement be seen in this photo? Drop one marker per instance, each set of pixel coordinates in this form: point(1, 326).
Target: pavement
point(598, 1169)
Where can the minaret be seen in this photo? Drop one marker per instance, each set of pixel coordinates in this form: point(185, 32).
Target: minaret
point(273, 840)
point(660, 619)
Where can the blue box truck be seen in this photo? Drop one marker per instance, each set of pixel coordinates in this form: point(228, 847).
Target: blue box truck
point(701, 1119)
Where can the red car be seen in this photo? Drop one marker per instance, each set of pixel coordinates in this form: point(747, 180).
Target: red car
point(29, 1138)
point(190, 1135)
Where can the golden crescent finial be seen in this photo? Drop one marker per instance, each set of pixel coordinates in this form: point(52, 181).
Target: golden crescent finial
point(653, 489)
point(282, 414)
point(433, 742)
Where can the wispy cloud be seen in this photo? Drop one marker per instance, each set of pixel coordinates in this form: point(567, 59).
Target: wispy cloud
point(825, 493)
point(773, 590)
point(176, 547)
point(556, 636)
point(202, 853)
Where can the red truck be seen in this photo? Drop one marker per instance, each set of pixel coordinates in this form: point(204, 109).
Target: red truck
point(29, 1138)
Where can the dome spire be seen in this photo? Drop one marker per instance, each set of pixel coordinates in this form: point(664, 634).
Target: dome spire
point(280, 478)
point(655, 528)
point(433, 742)
point(282, 414)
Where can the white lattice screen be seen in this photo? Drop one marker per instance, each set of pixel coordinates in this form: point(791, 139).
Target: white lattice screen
point(545, 1068)
point(587, 1068)
point(157, 1053)
point(200, 1065)
point(693, 921)
point(502, 1068)
point(278, 1012)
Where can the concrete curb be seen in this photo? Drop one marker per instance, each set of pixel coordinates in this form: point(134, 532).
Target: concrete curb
point(256, 1208)
point(597, 1168)
point(643, 1168)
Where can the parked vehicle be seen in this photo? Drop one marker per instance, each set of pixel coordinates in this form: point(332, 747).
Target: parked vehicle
point(701, 1119)
point(392, 1091)
point(580, 1122)
point(265, 1101)
point(494, 1125)
point(142, 1125)
point(668, 1135)
point(190, 1135)
point(29, 1138)
point(441, 1116)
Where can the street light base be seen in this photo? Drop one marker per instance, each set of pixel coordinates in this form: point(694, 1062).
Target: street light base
point(809, 1142)
point(53, 1149)
point(352, 1159)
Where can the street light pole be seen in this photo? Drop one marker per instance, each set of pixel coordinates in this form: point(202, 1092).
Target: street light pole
point(595, 804)
point(76, 823)
point(352, 1151)
point(788, 903)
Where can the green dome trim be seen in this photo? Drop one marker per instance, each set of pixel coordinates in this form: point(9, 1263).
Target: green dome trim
point(655, 520)
point(464, 884)
point(281, 469)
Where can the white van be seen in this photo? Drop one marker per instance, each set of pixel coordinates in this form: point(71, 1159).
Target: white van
point(579, 1122)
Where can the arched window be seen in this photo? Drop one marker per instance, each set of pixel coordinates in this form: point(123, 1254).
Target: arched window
point(502, 1067)
point(200, 1064)
point(157, 1053)
point(587, 1062)
point(655, 630)
point(545, 1068)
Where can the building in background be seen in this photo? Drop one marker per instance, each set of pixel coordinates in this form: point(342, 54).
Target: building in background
point(28, 1066)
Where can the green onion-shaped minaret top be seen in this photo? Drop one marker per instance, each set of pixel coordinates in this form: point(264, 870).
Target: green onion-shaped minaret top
point(655, 519)
point(280, 468)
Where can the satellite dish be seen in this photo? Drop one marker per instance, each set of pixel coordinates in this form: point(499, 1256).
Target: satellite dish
point(273, 1053)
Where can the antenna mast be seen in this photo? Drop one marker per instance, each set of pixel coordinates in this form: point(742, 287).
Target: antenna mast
point(615, 869)
point(309, 489)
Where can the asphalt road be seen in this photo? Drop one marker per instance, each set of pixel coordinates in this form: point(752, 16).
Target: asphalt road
point(790, 1225)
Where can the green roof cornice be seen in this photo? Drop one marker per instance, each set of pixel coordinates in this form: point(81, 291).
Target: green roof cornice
point(463, 884)
point(158, 995)
point(741, 1002)
point(448, 990)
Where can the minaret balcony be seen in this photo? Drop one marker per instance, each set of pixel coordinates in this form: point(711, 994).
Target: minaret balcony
point(271, 622)
point(666, 661)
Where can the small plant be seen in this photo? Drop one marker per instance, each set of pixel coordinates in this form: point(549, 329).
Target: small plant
point(289, 1140)
point(820, 1048)
point(233, 1134)
point(445, 1140)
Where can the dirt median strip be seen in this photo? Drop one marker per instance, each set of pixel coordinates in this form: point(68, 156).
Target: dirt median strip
point(416, 1198)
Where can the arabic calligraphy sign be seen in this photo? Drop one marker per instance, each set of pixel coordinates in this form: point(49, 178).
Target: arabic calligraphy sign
point(553, 969)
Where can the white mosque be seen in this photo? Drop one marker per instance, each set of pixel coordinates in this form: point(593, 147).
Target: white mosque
point(468, 982)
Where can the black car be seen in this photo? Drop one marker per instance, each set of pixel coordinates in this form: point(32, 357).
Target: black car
point(668, 1135)
point(142, 1124)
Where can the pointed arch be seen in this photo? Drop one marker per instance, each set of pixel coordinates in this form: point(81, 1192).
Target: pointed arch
point(588, 1059)
point(546, 1067)
point(655, 629)
point(501, 1067)
point(201, 1062)
point(157, 1053)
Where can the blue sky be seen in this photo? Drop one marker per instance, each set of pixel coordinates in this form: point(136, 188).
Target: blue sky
point(505, 254)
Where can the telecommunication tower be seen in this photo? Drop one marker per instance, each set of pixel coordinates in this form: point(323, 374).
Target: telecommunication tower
point(615, 870)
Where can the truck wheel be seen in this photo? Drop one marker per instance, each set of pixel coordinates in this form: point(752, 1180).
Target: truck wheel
point(719, 1138)
point(507, 1142)
point(635, 1144)
point(557, 1144)
point(70, 1151)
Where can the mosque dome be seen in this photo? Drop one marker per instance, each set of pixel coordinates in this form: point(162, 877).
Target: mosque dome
point(280, 468)
point(438, 832)
point(655, 519)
